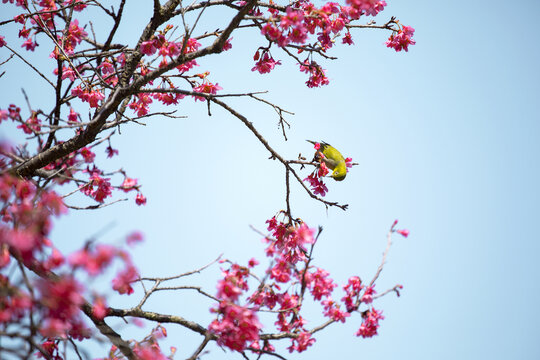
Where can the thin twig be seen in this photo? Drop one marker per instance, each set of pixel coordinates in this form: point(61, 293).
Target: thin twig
point(385, 254)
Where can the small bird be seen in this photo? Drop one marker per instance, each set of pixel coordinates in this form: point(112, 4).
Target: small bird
point(333, 160)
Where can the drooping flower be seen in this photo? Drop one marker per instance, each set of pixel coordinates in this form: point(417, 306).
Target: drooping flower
point(140, 199)
point(265, 64)
point(370, 324)
point(402, 39)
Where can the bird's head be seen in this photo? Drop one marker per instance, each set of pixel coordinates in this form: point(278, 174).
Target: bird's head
point(339, 173)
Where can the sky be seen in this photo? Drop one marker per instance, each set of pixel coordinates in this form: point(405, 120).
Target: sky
point(446, 137)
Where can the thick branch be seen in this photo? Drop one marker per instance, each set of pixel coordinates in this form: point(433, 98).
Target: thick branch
point(162, 318)
point(38, 161)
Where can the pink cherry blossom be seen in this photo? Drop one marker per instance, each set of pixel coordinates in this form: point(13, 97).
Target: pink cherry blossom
point(61, 299)
point(140, 199)
point(134, 238)
point(29, 44)
point(253, 262)
point(291, 18)
point(301, 342)
point(403, 232)
point(98, 188)
point(55, 260)
point(75, 35)
point(129, 184)
point(122, 282)
point(73, 116)
point(298, 34)
point(367, 297)
point(332, 311)
point(141, 104)
point(265, 64)
point(347, 39)
point(208, 88)
point(111, 152)
point(237, 326)
point(87, 154)
point(402, 39)
point(317, 185)
point(99, 309)
point(272, 32)
point(352, 291)
point(281, 271)
point(368, 7)
point(227, 45)
point(370, 324)
point(233, 283)
point(148, 47)
point(317, 74)
point(320, 284)
point(106, 68)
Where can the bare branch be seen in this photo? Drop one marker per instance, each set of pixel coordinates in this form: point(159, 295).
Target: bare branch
point(385, 254)
point(30, 65)
point(274, 153)
point(162, 318)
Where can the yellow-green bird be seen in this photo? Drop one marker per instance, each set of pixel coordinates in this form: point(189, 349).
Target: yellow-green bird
point(333, 160)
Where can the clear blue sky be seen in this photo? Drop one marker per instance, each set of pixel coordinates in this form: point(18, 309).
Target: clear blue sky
point(447, 137)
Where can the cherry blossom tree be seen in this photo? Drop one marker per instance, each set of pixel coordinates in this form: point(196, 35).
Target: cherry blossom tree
point(99, 84)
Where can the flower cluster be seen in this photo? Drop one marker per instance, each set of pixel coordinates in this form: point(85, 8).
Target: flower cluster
point(236, 326)
point(140, 104)
point(92, 97)
point(319, 283)
point(370, 323)
point(333, 310)
point(61, 301)
point(365, 7)
point(169, 49)
point(97, 188)
point(30, 211)
point(288, 248)
point(27, 215)
point(304, 19)
point(265, 63)
point(352, 291)
point(122, 282)
point(317, 75)
point(317, 185)
point(402, 39)
point(94, 261)
point(289, 243)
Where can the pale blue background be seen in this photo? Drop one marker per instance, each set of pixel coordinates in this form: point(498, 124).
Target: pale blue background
point(447, 140)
